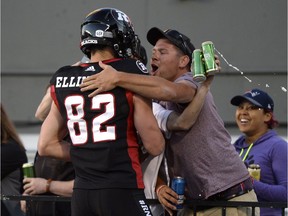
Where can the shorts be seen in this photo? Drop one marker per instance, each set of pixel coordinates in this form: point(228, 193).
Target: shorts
point(109, 202)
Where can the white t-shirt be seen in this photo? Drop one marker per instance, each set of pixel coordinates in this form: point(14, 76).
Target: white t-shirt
point(161, 114)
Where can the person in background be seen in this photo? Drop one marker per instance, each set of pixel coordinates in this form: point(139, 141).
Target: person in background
point(261, 145)
point(53, 176)
point(13, 156)
point(142, 56)
point(104, 148)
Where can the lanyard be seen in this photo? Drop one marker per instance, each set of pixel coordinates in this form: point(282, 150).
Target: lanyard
point(242, 150)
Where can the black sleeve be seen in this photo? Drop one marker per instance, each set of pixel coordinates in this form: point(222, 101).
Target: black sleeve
point(12, 158)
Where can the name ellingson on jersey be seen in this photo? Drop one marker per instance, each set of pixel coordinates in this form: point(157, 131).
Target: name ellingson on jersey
point(66, 82)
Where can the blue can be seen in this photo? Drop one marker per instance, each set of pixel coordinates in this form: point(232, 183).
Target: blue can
point(178, 185)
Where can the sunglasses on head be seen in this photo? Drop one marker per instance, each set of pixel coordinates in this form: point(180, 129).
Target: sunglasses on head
point(179, 40)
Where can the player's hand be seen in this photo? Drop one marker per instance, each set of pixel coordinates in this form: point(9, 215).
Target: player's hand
point(103, 81)
point(168, 198)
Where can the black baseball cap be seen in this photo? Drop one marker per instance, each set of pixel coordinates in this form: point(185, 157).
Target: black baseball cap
point(178, 39)
point(255, 96)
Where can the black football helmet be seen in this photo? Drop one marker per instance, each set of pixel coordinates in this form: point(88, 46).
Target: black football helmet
point(109, 27)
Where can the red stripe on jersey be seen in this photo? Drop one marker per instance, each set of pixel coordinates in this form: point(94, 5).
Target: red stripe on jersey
point(53, 95)
point(105, 62)
point(133, 146)
point(111, 60)
point(84, 64)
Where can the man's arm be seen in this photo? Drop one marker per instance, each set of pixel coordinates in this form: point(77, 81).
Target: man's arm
point(51, 136)
point(45, 104)
point(169, 120)
point(146, 125)
point(148, 86)
point(188, 117)
point(34, 186)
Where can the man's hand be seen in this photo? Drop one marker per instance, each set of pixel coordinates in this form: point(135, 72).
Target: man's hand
point(168, 198)
point(34, 186)
point(209, 79)
point(101, 82)
point(207, 83)
point(218, 63)
point(23, 204)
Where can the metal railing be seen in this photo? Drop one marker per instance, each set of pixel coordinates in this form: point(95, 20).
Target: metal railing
point(195, 204)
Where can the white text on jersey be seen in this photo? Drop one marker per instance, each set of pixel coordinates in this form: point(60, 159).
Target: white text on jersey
point(66, 82)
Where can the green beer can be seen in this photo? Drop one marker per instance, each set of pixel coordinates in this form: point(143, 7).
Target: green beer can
point(208, 53)
point(28, 170)
point(198, 66)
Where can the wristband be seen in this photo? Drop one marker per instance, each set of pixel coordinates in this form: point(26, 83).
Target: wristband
point(48, 185)
point(159, 188)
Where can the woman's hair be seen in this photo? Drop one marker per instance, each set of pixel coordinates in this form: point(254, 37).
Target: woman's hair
point(8, 130)
point(272, 123)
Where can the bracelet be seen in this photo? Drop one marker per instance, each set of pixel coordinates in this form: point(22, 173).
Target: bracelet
point(48, 185)
point(159, 188)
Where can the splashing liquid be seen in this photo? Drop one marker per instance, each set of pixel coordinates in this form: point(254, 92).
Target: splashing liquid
point(242, 73)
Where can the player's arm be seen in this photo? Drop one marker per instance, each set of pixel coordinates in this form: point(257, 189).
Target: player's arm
point(146, 125)
point(44, 106)
point(51, 136)
point(148, 86)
